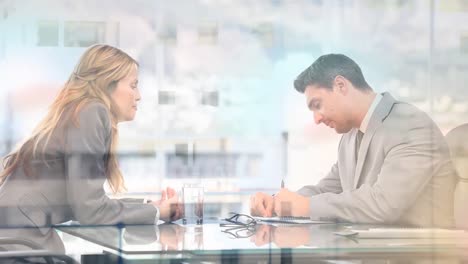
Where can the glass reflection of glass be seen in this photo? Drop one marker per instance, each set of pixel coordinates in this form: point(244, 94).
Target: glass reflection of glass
point(193, 238)
point(239, 231)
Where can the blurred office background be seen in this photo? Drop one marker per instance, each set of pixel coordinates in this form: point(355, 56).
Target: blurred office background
point(218, 106)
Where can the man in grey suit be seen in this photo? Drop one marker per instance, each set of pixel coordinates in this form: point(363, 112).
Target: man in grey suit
point(393, 163)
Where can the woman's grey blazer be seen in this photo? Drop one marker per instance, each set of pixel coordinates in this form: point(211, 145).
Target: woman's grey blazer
point(402, 175)
point(68, 183)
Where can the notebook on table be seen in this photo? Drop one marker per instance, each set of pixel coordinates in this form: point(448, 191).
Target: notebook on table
point(290, 220)
point(404, 233)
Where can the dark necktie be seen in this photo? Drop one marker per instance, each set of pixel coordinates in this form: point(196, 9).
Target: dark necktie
point(359, 136)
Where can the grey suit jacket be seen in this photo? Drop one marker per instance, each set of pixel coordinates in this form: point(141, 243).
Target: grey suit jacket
point(403, 174)
point(68, 183)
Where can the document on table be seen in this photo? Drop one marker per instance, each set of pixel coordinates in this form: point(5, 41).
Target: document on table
point(291, 220)
point(404, 233)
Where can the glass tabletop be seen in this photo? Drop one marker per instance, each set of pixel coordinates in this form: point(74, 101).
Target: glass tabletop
point(216, 237)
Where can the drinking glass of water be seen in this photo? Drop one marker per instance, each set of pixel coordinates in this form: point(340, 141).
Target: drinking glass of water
point(192, 196)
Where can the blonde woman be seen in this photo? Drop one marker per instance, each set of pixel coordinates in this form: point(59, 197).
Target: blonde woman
point(58, 173)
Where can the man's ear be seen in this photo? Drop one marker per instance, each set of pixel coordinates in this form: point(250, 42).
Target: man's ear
point(341, 84)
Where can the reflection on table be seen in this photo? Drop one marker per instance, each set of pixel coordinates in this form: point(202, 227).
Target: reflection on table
point(217, 242)
point(32, 245)
point(212, 241)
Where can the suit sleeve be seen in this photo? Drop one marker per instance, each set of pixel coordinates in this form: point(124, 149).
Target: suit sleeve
point(409, 164)
point(331, 183)
point(86, 149)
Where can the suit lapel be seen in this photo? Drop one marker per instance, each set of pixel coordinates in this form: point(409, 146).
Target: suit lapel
point(351, 159)
point(381, 112)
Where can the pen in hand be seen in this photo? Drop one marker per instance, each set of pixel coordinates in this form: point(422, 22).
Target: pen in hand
point(282, 186)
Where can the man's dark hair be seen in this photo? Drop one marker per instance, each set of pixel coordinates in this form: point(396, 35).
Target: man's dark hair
point(324, 70)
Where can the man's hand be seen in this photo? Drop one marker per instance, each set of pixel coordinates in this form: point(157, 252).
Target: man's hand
point(289, 203)
point(261, 204)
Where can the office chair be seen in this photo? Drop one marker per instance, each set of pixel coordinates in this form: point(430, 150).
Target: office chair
point(457, 140)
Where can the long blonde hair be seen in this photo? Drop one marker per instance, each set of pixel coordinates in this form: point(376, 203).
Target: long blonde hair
point(94, 78)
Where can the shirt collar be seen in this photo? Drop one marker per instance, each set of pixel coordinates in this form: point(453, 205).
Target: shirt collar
point(365, 121)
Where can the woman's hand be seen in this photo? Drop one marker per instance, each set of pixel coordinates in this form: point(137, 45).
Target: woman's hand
point(169, 207)
point(168, 193)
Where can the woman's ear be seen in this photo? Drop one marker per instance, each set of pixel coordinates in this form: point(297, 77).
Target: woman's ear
point(112, 86)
